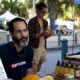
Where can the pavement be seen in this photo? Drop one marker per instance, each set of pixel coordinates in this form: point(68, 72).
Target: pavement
point(54, 53)
point(52, 42)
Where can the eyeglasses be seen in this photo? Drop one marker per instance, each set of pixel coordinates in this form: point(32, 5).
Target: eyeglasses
point(44, 12)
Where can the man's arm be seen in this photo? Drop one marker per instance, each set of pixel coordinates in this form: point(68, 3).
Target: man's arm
point(46, 33)
point(30, 71)
point(29, 61)
point(31, 29)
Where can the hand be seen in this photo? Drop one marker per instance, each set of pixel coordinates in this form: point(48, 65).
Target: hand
point(30, 72)
point(47, 33)
point(38, 35)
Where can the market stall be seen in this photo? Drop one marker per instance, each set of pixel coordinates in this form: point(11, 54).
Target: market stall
point(7, 16)
point(75, 57)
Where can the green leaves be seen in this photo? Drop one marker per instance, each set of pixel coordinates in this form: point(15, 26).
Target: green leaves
point(14, 7)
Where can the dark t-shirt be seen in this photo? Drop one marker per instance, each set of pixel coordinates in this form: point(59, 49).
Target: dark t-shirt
point(16, 64)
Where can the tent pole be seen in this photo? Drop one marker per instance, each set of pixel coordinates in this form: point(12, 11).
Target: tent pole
point(73, 30)
point(33, 8)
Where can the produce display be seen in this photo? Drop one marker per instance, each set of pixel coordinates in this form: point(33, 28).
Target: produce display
point(31, 77)
point(36, 77)
point(71, 69)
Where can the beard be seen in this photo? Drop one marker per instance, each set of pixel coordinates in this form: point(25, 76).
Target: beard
point(21, 42)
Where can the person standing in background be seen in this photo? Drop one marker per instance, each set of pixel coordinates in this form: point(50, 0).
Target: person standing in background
point(38, 33)
point(1, 27)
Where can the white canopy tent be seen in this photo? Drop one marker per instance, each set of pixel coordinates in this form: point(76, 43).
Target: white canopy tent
point(68, 23)
point(7, 16)
point(2, 18)
point(59, 22)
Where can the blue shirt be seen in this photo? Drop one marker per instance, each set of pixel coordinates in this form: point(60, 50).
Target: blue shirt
point(16, 64)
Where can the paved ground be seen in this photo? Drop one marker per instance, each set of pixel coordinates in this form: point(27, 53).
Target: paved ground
point(52, 42)
point(52, 57)
point(54, 53)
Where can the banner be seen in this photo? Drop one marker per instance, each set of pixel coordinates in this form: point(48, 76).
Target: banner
point(76, 2)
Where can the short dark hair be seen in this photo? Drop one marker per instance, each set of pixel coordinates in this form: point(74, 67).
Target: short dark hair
point(10, 25)
point(40, 5)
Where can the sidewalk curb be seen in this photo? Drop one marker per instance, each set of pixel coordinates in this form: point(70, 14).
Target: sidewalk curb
point(59, 47)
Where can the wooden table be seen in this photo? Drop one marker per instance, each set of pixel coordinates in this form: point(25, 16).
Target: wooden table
point(73, 57)
point(56, 78)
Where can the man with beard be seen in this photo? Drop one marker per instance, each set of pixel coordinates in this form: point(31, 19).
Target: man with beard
point(17, 55)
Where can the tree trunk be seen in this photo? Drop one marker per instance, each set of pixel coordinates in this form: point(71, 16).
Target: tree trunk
point(53, 7)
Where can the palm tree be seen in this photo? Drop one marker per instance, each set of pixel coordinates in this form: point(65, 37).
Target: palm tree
point(53, 6)
point(29, 3)
point(15, 7)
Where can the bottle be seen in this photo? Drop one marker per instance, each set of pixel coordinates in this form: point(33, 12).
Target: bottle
point(62, 70)
point(57, 70)
point(77, 71)
point(71, 69)
point(66, 68)
point(74, 64)
point(65, 61)
point(69, 65)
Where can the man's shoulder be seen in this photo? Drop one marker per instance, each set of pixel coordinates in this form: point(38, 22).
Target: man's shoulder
point(45, 21)
point(33, 19)
point(4, 46)
point(29, 50)
point(28, 47)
